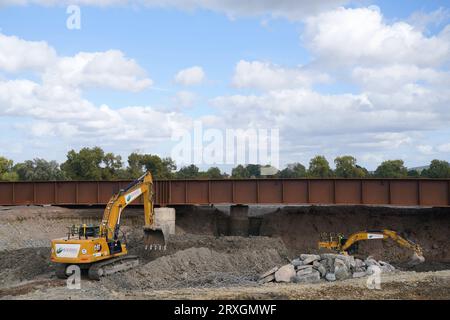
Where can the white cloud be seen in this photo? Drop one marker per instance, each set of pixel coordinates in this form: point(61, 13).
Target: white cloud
point(185, 98)
point(425, 149)
point(108, 69)
point(307, 112)
point(392, 77)
point(17, 54)
point(361, 37)
point(190, 76)
point(291, 9)
point(266, 76)
point(55, 107)
point(421, 20)
point(444, 147)
point(60, 111)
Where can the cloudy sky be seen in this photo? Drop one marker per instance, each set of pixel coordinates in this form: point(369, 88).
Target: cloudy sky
point(366, 78)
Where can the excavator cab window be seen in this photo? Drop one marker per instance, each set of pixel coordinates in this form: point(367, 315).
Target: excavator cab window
point(86, 231)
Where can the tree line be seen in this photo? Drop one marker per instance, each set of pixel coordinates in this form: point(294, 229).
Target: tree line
point(95, 164)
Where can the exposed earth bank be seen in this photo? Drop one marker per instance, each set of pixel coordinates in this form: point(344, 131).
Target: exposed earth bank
point(203, 261)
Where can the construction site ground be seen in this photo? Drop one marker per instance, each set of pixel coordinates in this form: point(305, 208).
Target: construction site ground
point(202, 261)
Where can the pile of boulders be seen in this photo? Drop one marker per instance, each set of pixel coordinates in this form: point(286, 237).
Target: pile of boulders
point(310, 268)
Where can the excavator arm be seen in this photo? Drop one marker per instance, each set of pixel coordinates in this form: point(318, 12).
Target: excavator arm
point(110, 224)
point(343, 245)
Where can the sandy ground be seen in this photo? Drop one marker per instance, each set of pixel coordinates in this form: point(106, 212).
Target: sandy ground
point(201, 265)
point(397, 285)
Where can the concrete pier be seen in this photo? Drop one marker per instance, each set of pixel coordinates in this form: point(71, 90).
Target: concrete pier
point(239, 223)
point(165, 219)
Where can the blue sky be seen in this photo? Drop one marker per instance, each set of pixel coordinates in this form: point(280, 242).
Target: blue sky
point(376, 89)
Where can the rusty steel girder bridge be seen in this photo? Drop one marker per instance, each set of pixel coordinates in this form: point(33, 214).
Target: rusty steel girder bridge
point(395, 192)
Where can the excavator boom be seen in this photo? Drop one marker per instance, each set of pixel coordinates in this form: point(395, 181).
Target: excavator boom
point(344, 245)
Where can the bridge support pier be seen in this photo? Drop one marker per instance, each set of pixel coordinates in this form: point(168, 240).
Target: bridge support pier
point(239, 222)
point(165, 219)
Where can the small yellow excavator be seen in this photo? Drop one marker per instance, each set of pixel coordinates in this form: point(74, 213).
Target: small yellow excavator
point(344, 245)
point(100, 249)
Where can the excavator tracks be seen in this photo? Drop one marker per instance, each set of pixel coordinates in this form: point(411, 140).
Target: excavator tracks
point(104, 268)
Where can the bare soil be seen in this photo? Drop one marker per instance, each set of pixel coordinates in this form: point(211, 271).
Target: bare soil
point(202, 262)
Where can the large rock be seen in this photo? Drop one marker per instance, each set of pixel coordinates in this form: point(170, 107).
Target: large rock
point(349, 261)
point(285, 273)
point(303, 267)
point(386, 267)
point(304, 271)
point(266, 279)
point(359, 274)
point(359, 263)
point(268, 273)
point(312, 277)
point(330, 276)
point(359, 269)
point(327, 263)
point(371, 262)
point(309, 258)
point(319, 267)
point(340, 270)
point(297, 262)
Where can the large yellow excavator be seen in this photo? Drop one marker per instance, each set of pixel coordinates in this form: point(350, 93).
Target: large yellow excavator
point(349, 245)
point(101, 249)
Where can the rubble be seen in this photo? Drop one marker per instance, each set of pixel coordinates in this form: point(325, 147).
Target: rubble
point(311, 268)
point(285, 273)
point(330, 277)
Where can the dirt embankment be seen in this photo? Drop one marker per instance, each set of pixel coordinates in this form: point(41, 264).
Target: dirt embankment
point(202, 254)
point(204, 261)
point(300, 229)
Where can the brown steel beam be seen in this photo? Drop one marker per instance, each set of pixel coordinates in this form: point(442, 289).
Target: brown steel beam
point(404, 192)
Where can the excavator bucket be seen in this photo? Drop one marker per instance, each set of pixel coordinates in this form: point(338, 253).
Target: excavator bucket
point(416, 259)
point(154, 238)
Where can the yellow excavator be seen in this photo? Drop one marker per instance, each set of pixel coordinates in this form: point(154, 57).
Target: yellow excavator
point(349, 245)
point(101, 249)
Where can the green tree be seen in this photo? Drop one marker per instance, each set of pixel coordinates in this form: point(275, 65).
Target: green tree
point(6, 170)
point(38, 170)
point(391, 169)
point(248, 171)
point(84, 165)
point(293, 170)
point(214, 173)
point(112, 166)
point(188, 172)
point(135, 166)
point(346, 167)
point(254, 170)
point(319, 167)
point(239, 172)
point(161, 168)
point(437, 169)
point(413, 173)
